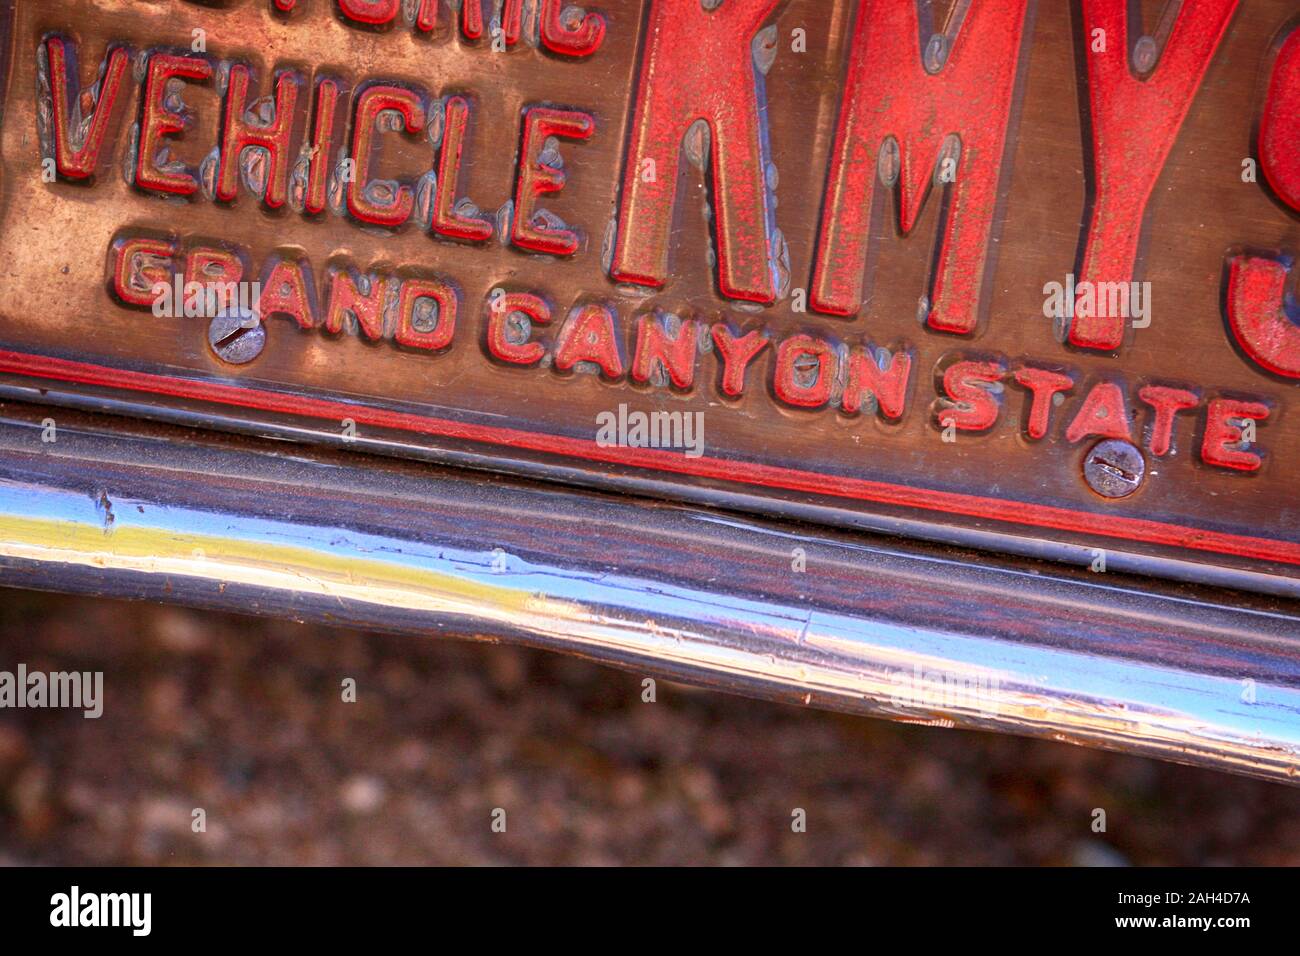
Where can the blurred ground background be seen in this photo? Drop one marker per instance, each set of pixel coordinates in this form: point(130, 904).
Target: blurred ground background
point(244, 718)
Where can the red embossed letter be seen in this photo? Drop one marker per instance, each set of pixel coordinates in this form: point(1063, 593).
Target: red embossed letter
point(698, 65)
point(1134, 124)
point(1257, 314)
point(77, 154)
point(891, 91)
point(1279, 127)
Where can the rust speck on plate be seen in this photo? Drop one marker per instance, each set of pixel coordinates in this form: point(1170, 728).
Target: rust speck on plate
point(845, 260)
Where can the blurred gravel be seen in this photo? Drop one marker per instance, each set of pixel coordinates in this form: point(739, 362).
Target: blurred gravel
point(244, 719)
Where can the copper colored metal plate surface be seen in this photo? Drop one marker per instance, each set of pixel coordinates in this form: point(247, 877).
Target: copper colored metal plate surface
point(1012, 273)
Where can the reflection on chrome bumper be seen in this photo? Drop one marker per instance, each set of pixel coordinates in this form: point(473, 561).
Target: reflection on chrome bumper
point(865, 624)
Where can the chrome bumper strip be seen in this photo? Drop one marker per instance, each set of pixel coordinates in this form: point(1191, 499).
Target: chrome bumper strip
point(871, 624)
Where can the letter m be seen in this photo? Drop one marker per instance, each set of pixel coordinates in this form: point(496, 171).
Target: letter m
point(698, 65)
point(962, 88)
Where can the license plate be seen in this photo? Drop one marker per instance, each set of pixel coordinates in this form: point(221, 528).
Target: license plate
point(1007, 273)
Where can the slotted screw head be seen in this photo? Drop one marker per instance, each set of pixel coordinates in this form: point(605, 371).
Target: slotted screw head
point(237, 336)
point(1114, 468)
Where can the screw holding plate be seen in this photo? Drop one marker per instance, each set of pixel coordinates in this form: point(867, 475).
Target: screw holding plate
point(1114, 468)
point(237, 336)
